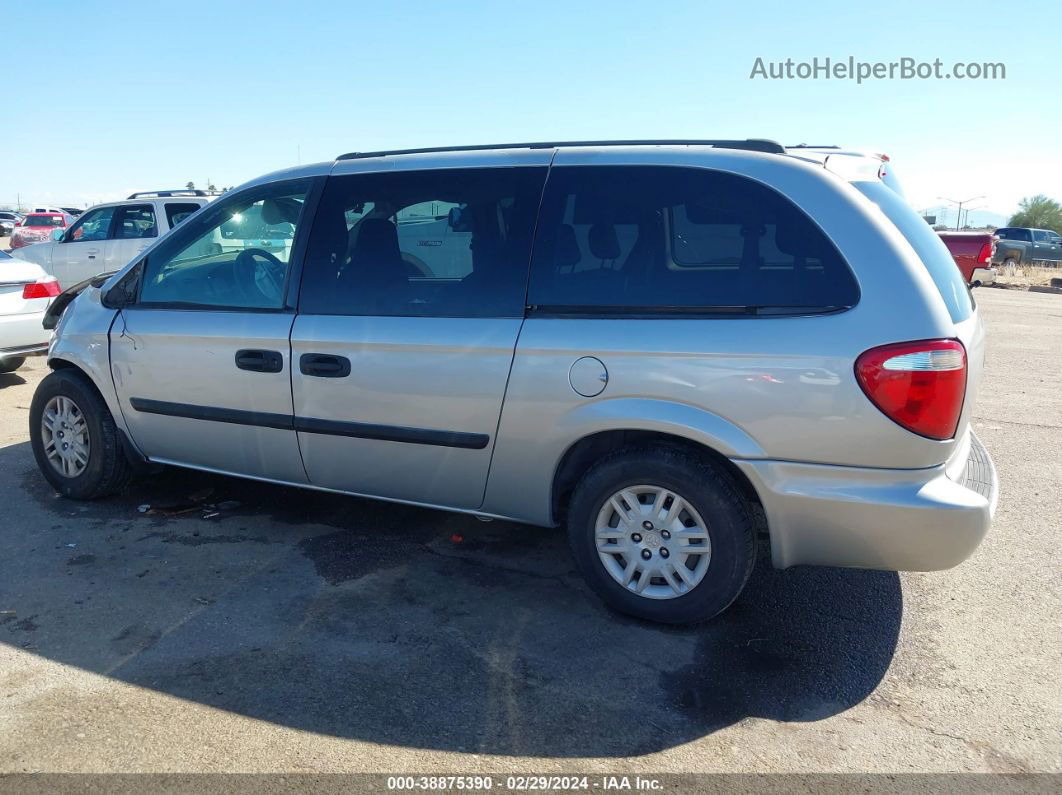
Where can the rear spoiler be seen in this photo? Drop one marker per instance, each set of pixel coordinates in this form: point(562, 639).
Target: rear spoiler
point(62, 301)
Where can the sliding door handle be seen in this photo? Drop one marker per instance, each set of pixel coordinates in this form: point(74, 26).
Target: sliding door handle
point(324, 365)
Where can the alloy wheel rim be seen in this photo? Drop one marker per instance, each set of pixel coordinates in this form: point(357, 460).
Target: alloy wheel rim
point(652, 541)
point(65, 435)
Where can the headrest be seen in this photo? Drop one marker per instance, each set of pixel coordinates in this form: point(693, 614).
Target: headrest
point(604, 244)
point(271, 213)
point(377, 239)
point(280, 211)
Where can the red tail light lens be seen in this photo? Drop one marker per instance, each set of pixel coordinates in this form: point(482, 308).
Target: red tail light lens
point(45, 288)
point(984, 256)
point(919, 385)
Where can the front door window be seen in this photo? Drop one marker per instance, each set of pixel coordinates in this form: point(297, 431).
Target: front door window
point(235, 255)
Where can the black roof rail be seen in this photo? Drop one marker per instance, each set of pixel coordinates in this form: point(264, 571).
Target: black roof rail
point(749, 144)
point(813, 146)
point(162, 194)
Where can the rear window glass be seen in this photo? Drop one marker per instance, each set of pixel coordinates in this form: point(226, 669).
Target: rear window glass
point(927, 245)
point(44, 220)
point(649, 239)
point(135, 222)
point(175, 213)
point(1013, 234)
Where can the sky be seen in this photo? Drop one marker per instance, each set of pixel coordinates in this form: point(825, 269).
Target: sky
point(105, 98)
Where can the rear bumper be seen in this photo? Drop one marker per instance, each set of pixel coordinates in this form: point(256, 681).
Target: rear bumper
point(983, 276)
point(23, 334)
point(897, 520)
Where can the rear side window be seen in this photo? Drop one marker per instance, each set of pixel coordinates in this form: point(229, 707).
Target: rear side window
point(440, 243)
point(1014, 234)
point(646, 239)
point(927, 245)
point(175, 213)
point(135, 221)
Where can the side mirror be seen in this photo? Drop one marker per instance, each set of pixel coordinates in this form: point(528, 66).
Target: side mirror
point(125, 291)
point(58, 234)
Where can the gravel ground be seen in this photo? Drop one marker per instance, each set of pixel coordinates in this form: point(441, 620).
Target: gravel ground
point(297, 631)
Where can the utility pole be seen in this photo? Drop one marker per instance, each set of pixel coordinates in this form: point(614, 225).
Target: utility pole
point(970, 210)
point(958, 219)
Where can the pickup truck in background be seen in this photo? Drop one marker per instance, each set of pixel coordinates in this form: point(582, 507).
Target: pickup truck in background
point(972, 252)
point(1022, 246)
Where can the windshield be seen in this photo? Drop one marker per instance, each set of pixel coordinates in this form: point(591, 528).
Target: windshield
point(44, 220)
point(927, 245)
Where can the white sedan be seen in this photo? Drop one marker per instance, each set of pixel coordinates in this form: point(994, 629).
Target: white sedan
point(25, 292)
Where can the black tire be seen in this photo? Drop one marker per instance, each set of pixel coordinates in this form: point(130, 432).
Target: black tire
point(715, 496)
point(10, 365)
point(108, 469)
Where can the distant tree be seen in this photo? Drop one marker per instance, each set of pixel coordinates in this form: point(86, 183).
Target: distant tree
point(1038, 212)
point(210, 187)
point(190, 185)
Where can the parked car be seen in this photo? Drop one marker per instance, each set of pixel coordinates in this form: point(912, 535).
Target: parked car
point(972, 252)
point(1024, 246)
point(8, 220)
point(106, 237)
point(74, 211)
point(25, 290)
point(38, 227)
point(703, 354)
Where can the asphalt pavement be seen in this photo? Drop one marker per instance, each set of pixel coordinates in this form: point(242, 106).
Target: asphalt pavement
point(245, 627)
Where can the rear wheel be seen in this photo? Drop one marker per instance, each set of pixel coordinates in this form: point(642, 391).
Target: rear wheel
point(74, 438)
point(12, 364)
point(662, 534)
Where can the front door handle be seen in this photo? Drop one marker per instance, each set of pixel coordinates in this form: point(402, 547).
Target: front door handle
point(324, 365)
point(258, 361)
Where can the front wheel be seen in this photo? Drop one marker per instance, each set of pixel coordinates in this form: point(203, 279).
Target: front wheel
point(74, 438)
point(662, 534)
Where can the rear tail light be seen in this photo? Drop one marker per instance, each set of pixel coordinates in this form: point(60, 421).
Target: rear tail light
point(45, 288)
point(984, 256)
point(919, 385)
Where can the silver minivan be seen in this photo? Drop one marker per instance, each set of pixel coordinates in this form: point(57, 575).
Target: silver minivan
point(680, 350)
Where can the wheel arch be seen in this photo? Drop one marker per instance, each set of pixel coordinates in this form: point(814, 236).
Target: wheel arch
point(581, 454)
point(132, 452)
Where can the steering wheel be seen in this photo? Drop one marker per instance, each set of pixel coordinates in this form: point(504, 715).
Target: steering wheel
point(255, 281)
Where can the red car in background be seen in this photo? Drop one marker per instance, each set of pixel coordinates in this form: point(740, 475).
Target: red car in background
point(972, 252)
point(38, 227)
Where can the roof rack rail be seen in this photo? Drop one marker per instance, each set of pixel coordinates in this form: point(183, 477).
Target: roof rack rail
point(749, 144)
point(162, 194)
point(813, 146)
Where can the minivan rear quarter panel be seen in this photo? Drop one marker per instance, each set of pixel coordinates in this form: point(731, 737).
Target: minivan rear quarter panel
point(775, 388)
